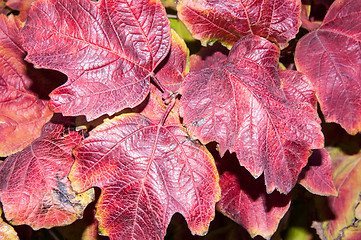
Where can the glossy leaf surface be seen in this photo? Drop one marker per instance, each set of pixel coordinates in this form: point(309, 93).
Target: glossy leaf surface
point(343, 208)
point(108, 49)
point(147, 173)
point(331, 57)
point(245, 200)
point(229, 20)
point(175, 66)
point(316, 177)
point(156, 107)
point(34, 188)
point(241, 106)
point(22, 113)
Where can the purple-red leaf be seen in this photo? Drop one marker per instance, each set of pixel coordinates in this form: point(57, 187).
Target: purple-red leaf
point(22, 114)
point(245, 200)
point(229, 20)
point(331, 59)
point(316, 177)
point(107, 48)
point(241, 106)
point(175, 66)
point(147, 173)
point(156, 107)
point(208, 57)
point(34, 188)
point(342, 211)
point(298, 88)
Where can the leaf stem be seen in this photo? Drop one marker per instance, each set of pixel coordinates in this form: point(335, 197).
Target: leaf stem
point(167, 110)
point(167, 94)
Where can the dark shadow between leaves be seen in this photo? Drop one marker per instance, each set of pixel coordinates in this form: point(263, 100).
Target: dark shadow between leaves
point(313, 161)
point(82, 121)
point(221, 227)
point(336, 136)
point(255, 188)
point(44, 81)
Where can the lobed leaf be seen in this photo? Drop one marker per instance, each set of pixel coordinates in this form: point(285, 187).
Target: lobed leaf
point(330, 56)
point(241, 106)
point(147, 172)
point(229, 20)
point(34, 188)
point(108, 49)
point(245, 200)
point(344, 207)
point(22, 113)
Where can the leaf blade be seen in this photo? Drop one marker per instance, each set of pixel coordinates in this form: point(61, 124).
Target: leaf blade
point(241, 105)
point(146, 173)
point(330, 58)
point(34, 186)
point(108, 56)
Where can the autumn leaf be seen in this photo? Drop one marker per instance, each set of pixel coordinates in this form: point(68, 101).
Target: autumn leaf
point(175, 66)
point(208, 57)
point(298, 88)
point(146, 172)
point(22, 113)
point(242, 107)
point(316, 177)
point(330, 57)
point(7, 232)
point(34, 188)
point(155, 108)
point(344, 208)
point(109, 49)
point(229, 20)
point(245, 200)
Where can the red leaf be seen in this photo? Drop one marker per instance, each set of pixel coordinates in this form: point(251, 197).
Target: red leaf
point(316, 177)
point(155, 108)
point(330, 57)
point(343, 208)
point(241, 106)
point(108, 49)
point(229, 20)
point(22, 114)
point(245, 200)
point(298, 88)
point(34, 186)
point(175, 66)
point(208, 57)
point(147, 173)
